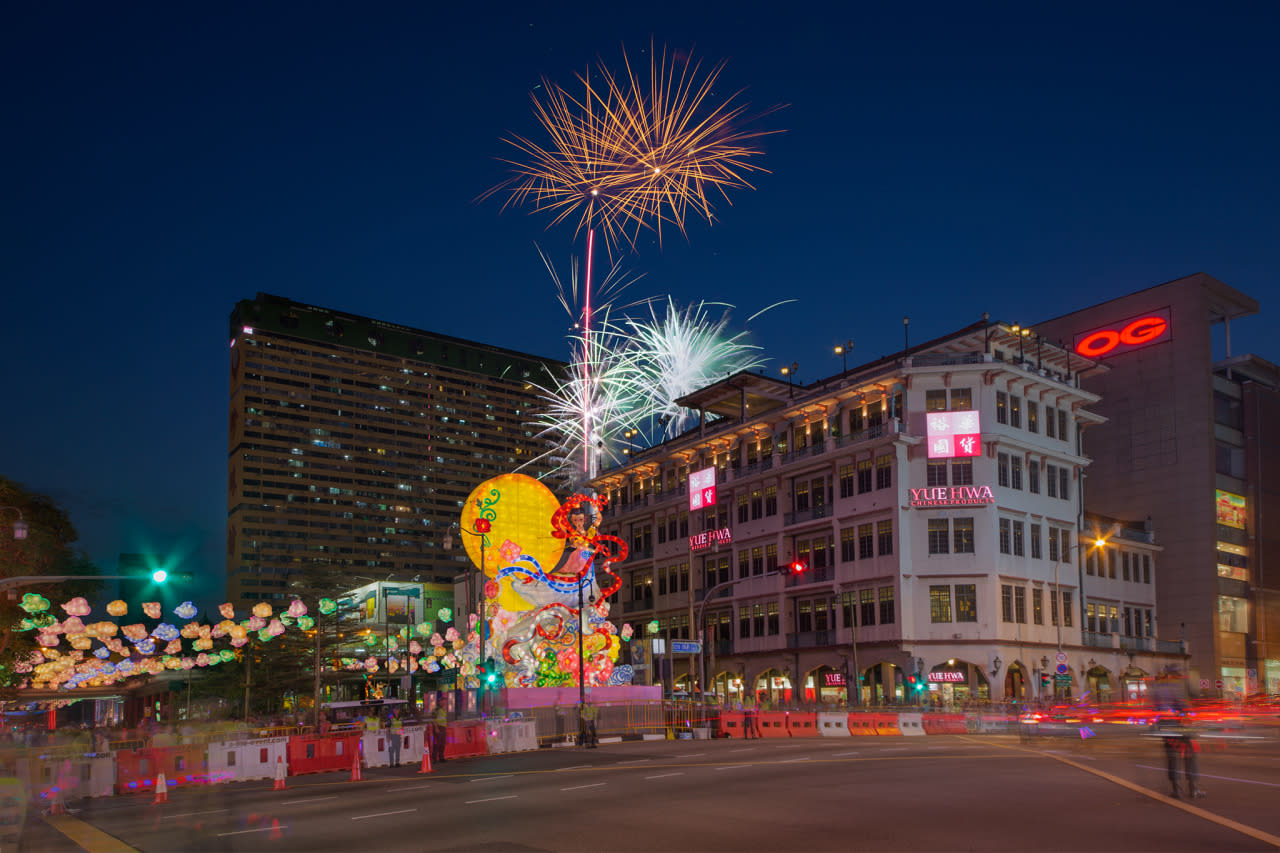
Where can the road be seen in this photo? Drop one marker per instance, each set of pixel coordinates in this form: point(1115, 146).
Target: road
point(930, 793)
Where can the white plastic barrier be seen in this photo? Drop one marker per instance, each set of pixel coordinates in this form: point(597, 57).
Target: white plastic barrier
point(833, 725)
point(512, 736)
point(911, 724)
point(83, 775)
point(374, 747)
point(413, 744)
point(239, 760)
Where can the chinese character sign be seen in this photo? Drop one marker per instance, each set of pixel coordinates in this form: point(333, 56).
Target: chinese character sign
point(702, 488)
point(951, 434)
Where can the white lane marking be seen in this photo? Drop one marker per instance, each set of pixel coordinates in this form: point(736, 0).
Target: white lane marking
point(491, 799)
point(383, 814)
point(577, 767)
point(259, 829)
point(838, 754)
point(192, 814)
point(735, 766)
point(794, 760)
point(744, 749)
point(792, 746)
point(389, 790)
point(692, 755)
point(309, 800)
point(895, 749)
point(580, 787)
point(490, 778)
point(634, 761)
point(1221, 778)
point(663, 775)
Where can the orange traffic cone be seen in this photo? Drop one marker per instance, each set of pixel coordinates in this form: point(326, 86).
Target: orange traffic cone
point(276, 834)
point(162, 790)
point(426, 759)
point(355, 769)
point(280, 773)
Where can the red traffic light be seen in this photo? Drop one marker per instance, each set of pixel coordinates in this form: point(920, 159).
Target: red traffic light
point(797, 567)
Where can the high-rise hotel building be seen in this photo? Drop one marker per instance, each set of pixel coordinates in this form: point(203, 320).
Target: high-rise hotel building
point(353, 443)
point(934, 498)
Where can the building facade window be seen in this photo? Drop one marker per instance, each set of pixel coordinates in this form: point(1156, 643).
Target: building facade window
point(866, 542)
point(1037, 607)
point(1033, 477)
point(1006, 602)
point(936, 472)
point(1020, 604)
point(939, 604)
point(962, 472)
point(886, 605)
point(962, 540)
point(867, 605)
point(1066, 608)
point(1033, 416)
point(1006, 536)
point(1015, 472)
point(1035, 542)
point(884, 472)
point(864, 476)
point(939, 536)
point(848, 544)
point(770, 500)
point(1015, 411)
point(966, 602)
point(935, 400)
point(1002, 407)
point(846, 481)
point(961, 399)
point(884, 536)
point(1002, 469)
point(1018, 540)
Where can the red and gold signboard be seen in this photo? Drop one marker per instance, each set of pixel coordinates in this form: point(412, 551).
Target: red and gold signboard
point(1233, 509)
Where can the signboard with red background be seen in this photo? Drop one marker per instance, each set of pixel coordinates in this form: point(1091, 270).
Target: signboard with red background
point(702, 488)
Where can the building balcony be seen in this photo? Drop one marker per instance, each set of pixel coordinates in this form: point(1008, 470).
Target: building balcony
point(810, 514)
point(1092, 638)
point(889, 428)
point(810, 639)
point(1136, 644)
point(637, 606)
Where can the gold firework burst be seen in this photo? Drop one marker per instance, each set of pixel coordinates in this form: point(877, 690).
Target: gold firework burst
point(632, 151)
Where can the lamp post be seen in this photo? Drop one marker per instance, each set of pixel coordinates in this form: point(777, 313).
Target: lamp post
point(789, 372)
point(1021, 333)
point(19, 526)
point(842, 350)
point(447, 542)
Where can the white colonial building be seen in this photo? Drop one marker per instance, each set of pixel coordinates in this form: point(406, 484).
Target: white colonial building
point(934, 500)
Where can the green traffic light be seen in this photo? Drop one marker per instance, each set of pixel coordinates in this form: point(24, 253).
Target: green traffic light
point(159, 576)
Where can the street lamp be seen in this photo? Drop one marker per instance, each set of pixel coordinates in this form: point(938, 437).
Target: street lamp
point(789, 372)
point(842, 350)
point(19, 526)
point(1022, 336)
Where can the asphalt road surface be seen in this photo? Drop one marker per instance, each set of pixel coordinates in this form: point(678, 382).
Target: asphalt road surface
point(930, 793)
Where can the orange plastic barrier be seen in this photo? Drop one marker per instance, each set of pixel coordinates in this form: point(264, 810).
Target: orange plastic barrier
point(873, 724)
point(136, 769)
point(944, 724)
point(466, 738)
point(731, 724)
point(773, 724)
point(321, 753)
point(803, 724)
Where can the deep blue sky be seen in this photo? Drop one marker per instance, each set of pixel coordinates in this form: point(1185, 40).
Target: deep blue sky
point(940, 159)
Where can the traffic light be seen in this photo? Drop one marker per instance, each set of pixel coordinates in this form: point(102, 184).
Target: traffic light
point(487, 674)
point(1045, 679)
point(795, 568)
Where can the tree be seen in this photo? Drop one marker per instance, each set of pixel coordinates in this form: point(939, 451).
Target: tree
point(47, 550)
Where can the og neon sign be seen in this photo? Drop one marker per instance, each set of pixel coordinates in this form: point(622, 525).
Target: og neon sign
point(1124, 336)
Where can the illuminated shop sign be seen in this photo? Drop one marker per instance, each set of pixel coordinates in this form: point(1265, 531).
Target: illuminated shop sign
point(949, 676)
point(952, 434)
point(1232, 509)
point(1124, 335)
point(952, 496)
point(701, 541)
point(833, 679)
point(702, 488)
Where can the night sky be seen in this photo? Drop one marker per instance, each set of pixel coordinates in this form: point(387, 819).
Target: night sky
point(939, 160)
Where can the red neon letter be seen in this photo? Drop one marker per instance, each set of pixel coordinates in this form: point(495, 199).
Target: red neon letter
point(1144, 330)
point(1099, 343)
